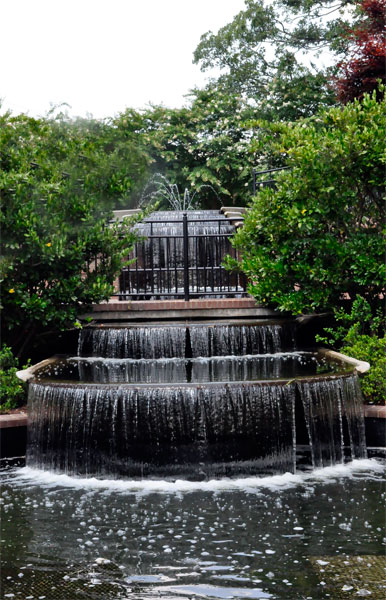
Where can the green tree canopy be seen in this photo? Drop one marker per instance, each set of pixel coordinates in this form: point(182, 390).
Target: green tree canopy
point(320, 235)
point(270, 53)
point(203, 147)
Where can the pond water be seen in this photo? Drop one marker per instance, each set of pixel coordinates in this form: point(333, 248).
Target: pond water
point(313, 535)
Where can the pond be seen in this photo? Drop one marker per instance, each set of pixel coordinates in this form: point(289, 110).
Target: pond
point(311, 535)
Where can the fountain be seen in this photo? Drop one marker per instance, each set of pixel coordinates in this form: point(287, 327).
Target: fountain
point(194, 401)
point(181, 252)
point(160, 190)
point(161, 463)
point(191, 400)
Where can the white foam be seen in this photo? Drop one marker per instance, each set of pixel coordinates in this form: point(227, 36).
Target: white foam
point(366, 467)
point(229, 357)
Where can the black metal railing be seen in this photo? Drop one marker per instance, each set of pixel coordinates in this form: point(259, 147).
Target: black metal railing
point(260, 182)
point(182, 258)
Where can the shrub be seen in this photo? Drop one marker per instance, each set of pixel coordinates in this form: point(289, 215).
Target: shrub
point(373, 350)
point(59, 254)
point(13, 392)
point(361, 334)
point(319, 234)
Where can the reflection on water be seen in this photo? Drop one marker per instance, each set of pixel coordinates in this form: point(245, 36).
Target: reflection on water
point(314, 535)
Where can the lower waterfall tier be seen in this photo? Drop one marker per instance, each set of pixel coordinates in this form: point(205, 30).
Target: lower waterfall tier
point(192, 431)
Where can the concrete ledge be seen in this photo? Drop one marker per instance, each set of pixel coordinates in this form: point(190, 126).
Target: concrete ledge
point(121, 214)
point(13, 420)
point(139, 305)
point(375, 412)
point(180, 315)
point(239, 209)
point(216, 308)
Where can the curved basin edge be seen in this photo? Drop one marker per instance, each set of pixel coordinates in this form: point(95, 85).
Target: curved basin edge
point(28, 374)
point(360, 366)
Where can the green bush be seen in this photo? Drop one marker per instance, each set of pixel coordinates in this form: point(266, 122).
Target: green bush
point(373, 350)
point(58, 185)
point(319, 236)
point(361, 334)
point(13, 391)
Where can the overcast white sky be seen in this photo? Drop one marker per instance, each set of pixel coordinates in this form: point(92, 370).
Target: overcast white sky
point(101, 56)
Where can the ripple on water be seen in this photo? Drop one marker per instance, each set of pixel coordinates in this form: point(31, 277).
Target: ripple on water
point(210, 591)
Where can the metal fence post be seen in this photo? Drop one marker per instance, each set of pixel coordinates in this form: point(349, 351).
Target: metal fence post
point(186, 255)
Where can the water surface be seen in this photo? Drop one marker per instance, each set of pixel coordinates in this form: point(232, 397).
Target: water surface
point(313, 535)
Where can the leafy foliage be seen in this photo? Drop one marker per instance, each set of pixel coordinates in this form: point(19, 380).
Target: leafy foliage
point(365, 67)
point(260, 54)
point(320, 234)
point(360, 321)
point(373, 350)
point(58, 184)
point(361, 334)
point(12, 389)
point(203, 144)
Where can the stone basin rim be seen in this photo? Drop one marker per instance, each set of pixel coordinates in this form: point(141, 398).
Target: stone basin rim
point(201, 385)
point(29, 377)
point(358, 366)
point(189, 323)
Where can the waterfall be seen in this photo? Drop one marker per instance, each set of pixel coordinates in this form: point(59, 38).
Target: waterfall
point(133, 342)
point(242, 339)
point(189, 370)
point(167, 341)
point(325, 404)
point(153, 431)
point(191, 430)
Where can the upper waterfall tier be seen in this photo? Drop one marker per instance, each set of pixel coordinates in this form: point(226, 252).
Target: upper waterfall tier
point(186, 341)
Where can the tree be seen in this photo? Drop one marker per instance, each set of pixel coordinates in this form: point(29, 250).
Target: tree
point(260, 54)
point(319, 236)
point(366, 64)
point(203, 147)
point(58, 184)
